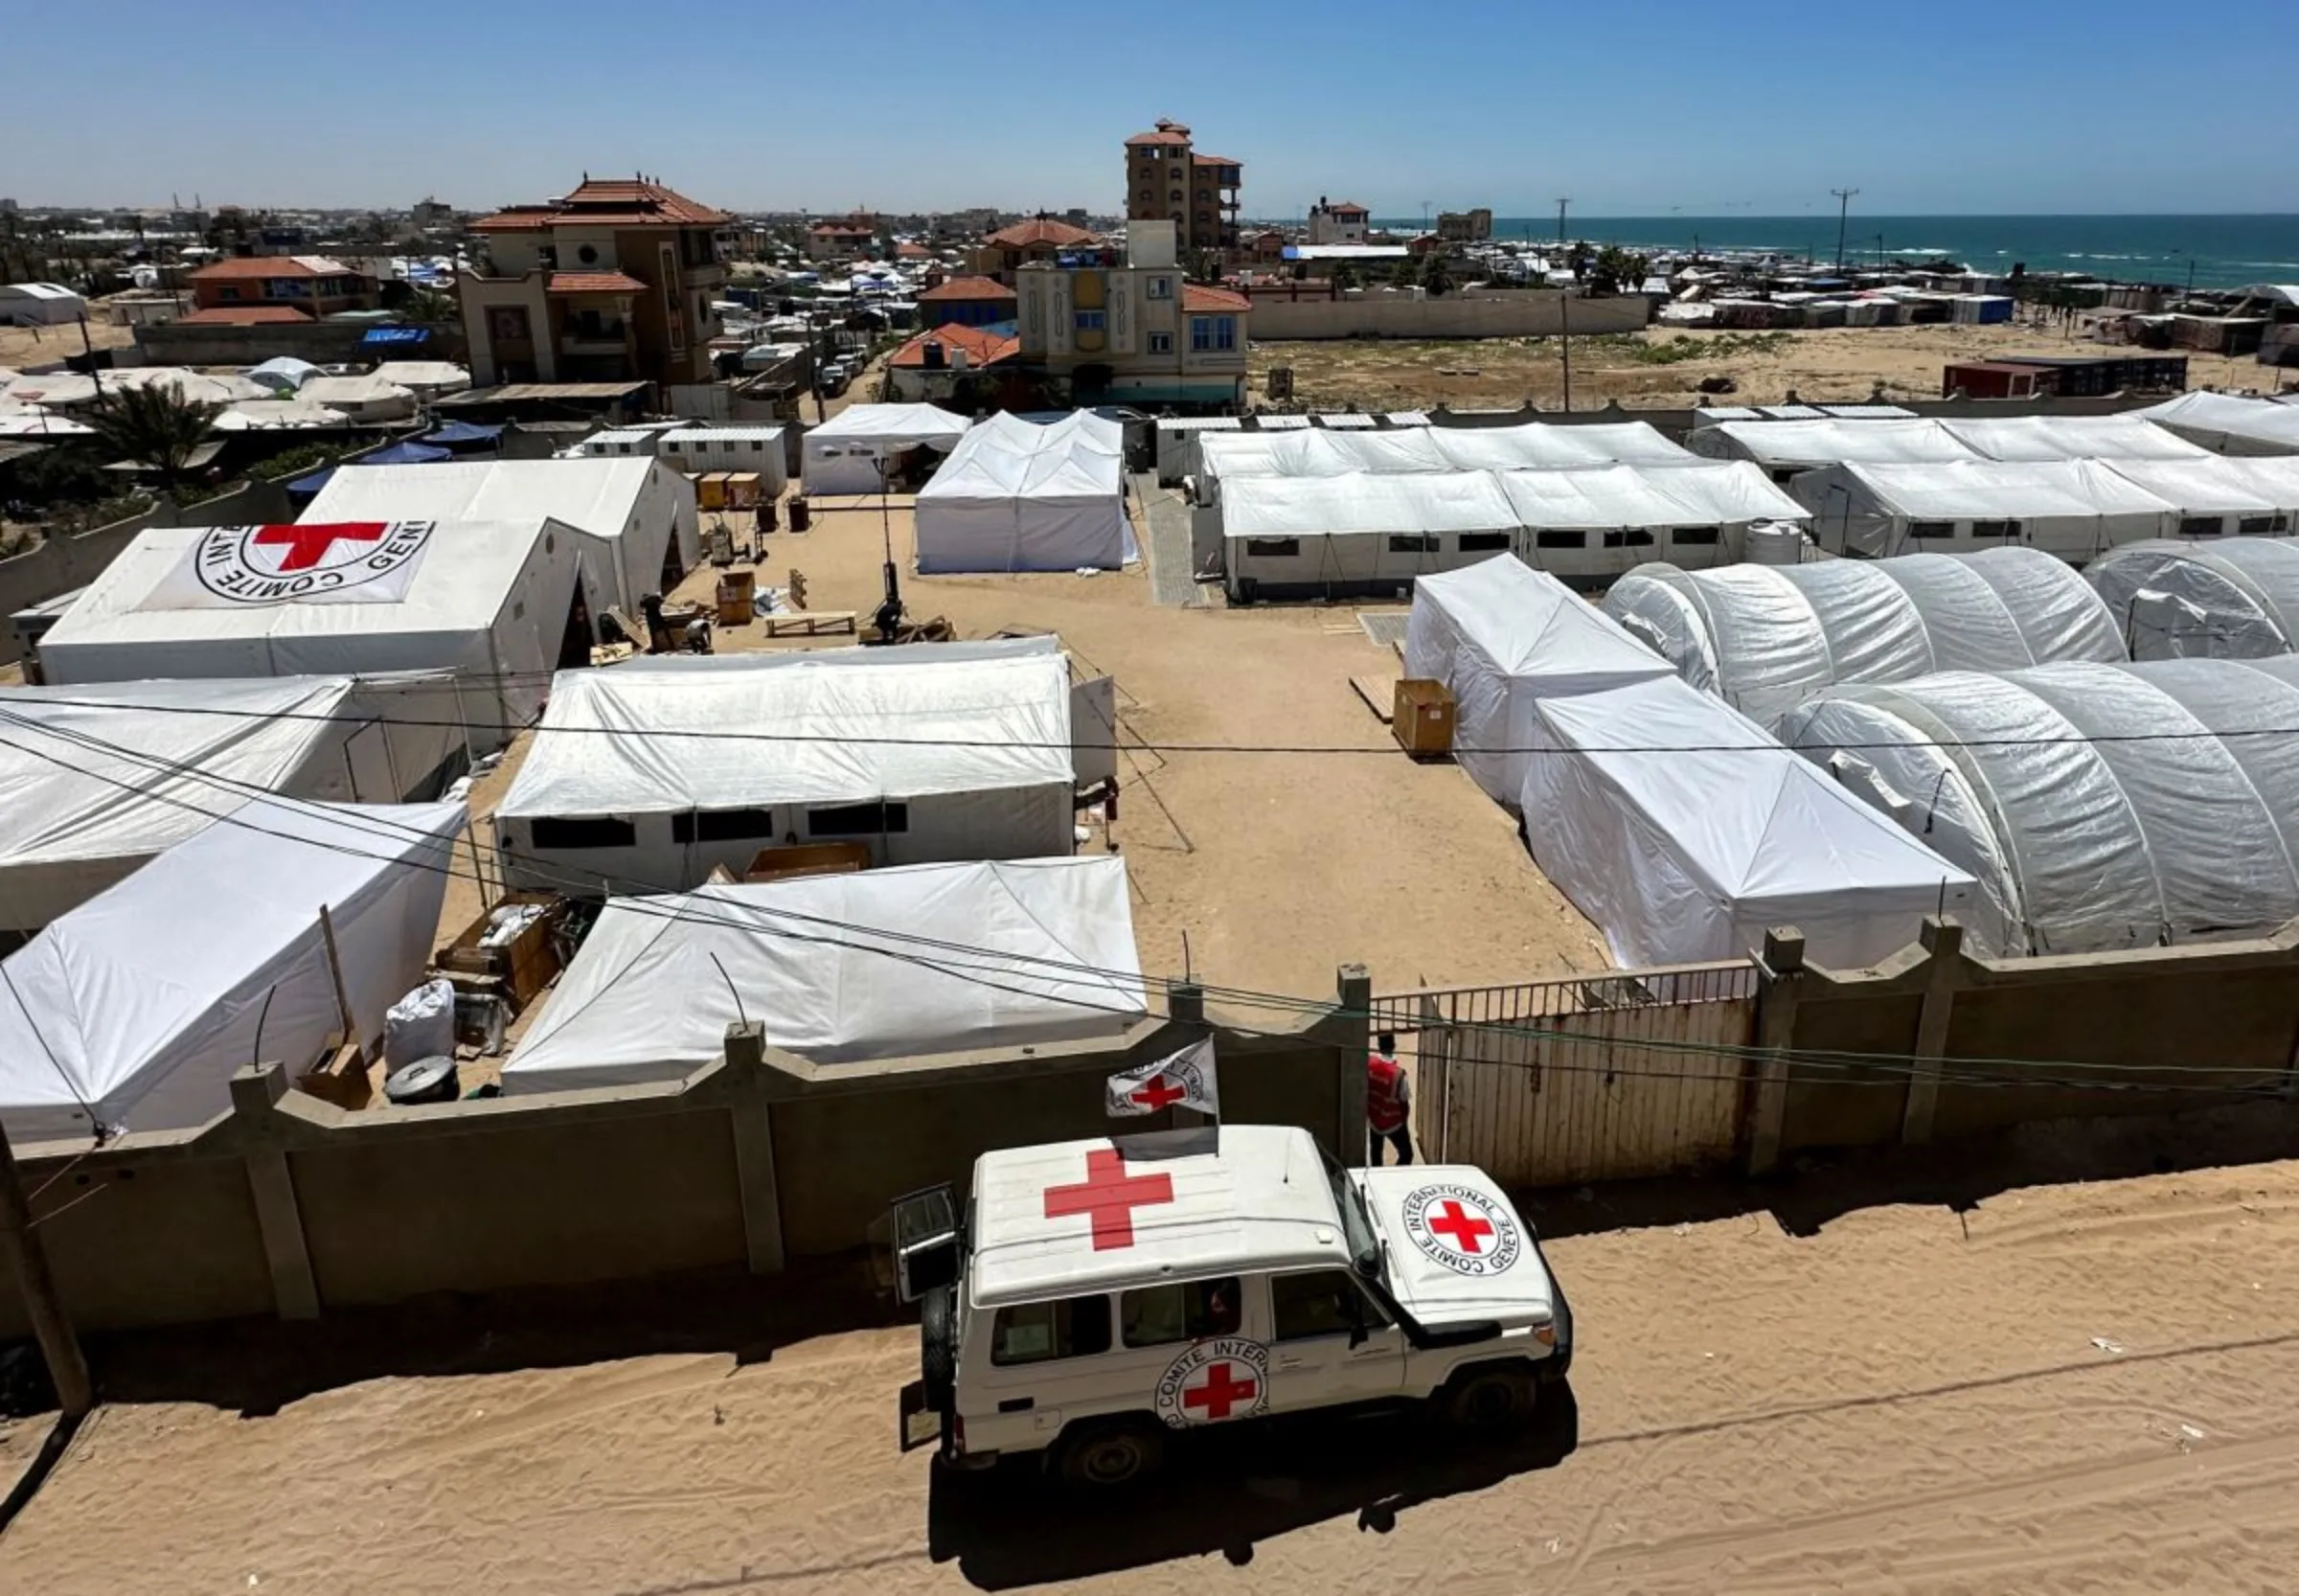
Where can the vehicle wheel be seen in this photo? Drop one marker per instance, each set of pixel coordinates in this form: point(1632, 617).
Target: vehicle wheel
point(938, 1343)
point(1487, 1401)
point(1102, 1457)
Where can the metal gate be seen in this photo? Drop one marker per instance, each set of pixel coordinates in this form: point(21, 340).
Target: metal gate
point(1599, 1077)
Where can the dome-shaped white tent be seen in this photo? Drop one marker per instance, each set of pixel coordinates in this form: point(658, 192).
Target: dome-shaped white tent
point(2237, 598)
point(2099, 806)
point(1765, 637)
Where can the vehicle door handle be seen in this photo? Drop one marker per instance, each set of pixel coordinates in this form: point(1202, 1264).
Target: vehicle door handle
point(1017, 1404)
point(1288, 1363)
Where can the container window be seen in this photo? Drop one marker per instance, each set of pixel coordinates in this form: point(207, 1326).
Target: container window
point(1041, 1332)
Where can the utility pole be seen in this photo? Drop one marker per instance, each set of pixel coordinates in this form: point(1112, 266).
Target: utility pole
point(1564, 321)
point(21, 1249)
point(1561, 205)
point(1425, 215)
point(1843, 218)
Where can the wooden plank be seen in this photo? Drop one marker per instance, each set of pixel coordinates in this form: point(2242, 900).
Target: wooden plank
point(809, 623)
point(1378, 692)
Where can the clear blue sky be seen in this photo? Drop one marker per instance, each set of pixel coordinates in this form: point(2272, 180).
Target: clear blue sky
point(2036, 108)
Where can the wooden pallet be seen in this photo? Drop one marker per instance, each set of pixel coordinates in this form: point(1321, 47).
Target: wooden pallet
point(1380, 693)
point(809, 623)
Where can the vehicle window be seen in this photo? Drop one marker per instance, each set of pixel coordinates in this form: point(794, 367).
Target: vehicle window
point(1325, 1302)
point(1187, 1311)
point(1041, 1332)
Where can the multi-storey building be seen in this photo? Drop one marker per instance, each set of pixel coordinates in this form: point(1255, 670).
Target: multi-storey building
point(1136, 332)
point(1338, 222)
point(1166, 179)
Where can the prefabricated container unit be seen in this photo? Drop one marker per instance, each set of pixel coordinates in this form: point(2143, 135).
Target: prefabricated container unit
point(1177, 444)
point(2223, 495)
point(729, 448)
point(2075, 510)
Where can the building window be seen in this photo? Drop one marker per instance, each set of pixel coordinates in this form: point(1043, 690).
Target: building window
point(1484, 542)
point(1161, 343)
point(1213, 333)
point(858, 820)
point(1161, 288)
point(608, 831)
point(1092, 321)
point(507, 324)
point(587, 253)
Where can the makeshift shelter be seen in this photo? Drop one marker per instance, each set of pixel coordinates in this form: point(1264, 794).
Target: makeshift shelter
point(1290, 536)
point(1018, 496)
point(850, 453)
point(287, 415)
point(425, 379)
point(2219, 495)
point(2226, 424)
point(646, 776)
point(2114, 439)
point(2237, 598)
point(636, 518)
point(465, 437)
point(2074, 509)
point(843, 970)
point(96, 780)
point(1591, 524)
point(40, 305)
point(134, 1010)
point(1685, 833)
point(2099, 806)
point(1502, 638)
point(491, 602)
point(366, 399)
point(1783, 448)
point(64, 389)
point(730, 449)
point(282, 374)
point(1764, 637)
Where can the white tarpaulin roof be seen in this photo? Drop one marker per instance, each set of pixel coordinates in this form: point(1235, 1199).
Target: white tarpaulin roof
point(2231, 598)
point(66, 388)
point(1532, 447)
point(1765, 637)
point(1363, 502)
point(137, 1007)
point(841, 968)
point(1542, 443)
point(1018, 496)
point(1685, 833)
point(1698, 494)
point(2218, 484)
point(361, 391)
point(2101, 807)
point(830, 725)
point(2111, 438)
point(1502, 638)
point(2075, 508)
point(2229, 424)
point(630, 510)
point(1780, 445)
point(844, 455)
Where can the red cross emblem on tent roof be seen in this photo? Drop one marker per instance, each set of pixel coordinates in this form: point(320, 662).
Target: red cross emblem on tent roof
point(1464, 1230)
point(1158, 1091)
point(310, 546)
point(1109, 1196)
point(1215, 1389)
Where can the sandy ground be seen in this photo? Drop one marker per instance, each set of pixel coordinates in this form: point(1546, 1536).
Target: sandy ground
point(37, 346)
point(2060, 1389)
point(1834, 363)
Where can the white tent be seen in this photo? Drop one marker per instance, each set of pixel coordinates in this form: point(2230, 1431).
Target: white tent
point(282, 374)
point(849, 452)
point(1017, 497)
point(636, 518)
point(2110, 438)
point(2237, 598)
point(426, 380)
point(2074, 509)
point(284, 415)
point(1593, 523)
point(365, 400)
point(2216, 495)
point(1538, 445)
point(135, 1010)
point(1307, 534)
point(96, 780)
point(643, 777)
point(1503, 637)
point(1685, 833)
point(1534, 445)
point(2226, 424)
point(1763, 638)
point(490, 602)
point(40, 305)
point(1783, 448)
point(841, 970)
point(2099, 806)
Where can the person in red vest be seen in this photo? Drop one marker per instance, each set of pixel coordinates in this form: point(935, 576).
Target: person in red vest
point(1388, 1103)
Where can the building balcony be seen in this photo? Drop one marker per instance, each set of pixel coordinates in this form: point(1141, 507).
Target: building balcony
point(605, 338)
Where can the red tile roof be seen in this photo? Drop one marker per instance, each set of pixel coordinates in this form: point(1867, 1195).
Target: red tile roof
point(981, 348)
point(1339, 206)
point(242, 315)
point(843, 229)
point(244, 267)
point(967, 288)
point(1196, 296)
point(907, 251)
point(1041, 230)
point(593, 283)
point(610, 202)
point(1214, 161)
point(1165, 133)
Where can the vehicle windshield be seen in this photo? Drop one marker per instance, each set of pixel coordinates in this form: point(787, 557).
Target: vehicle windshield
point(1357, 1224)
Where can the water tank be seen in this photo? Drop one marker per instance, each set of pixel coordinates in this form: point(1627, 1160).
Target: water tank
point(1775, 543)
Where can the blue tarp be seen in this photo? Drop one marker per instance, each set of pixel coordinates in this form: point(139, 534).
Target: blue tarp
point(402, 454)
point(462, 432)
point(308, 487)
point(395, 336)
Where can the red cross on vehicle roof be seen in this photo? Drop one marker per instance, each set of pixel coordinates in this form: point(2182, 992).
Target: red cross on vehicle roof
point(1109, 1196)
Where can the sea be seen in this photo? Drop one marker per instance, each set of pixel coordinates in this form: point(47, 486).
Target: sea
point(2224, 252)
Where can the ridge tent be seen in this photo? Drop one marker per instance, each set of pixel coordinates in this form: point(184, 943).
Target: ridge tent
point(2074, 509)
point(848, 453)
point(2114, 439)
point(1015, 496)
point(1295, 536)
point(1685, 833)
point(1590, 524)
point(135, 1010)
point(2237, 598)
point(491, 602)
point(837, 969)
point(646, 777)
point(2226, 424)
point(1783, 448)
point(635, 518)
point(1503, 637)
point(97, 780)
point(282, 374)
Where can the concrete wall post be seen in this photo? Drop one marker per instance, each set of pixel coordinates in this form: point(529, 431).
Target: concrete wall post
point(1353, 985)
point(1780, 984)
point(294, 1288)
point(754, 1150)
point(1943, 940)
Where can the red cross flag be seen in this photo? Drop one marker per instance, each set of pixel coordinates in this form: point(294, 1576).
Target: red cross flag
point(1184, 1081)
point(332, 562)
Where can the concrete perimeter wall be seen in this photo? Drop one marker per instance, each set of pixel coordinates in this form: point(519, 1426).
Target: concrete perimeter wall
point(289, 1205)
point(1530, 312)
point(175, 343)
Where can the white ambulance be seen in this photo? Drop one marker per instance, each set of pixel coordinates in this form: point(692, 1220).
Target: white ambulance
point(1095, 1297)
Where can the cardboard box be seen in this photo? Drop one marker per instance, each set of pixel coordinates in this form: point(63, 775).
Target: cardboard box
point(1423, 718)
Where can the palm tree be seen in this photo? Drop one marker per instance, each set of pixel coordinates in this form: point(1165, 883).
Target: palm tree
point(1436, 274)
point(429, 307)
point(155, 425)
